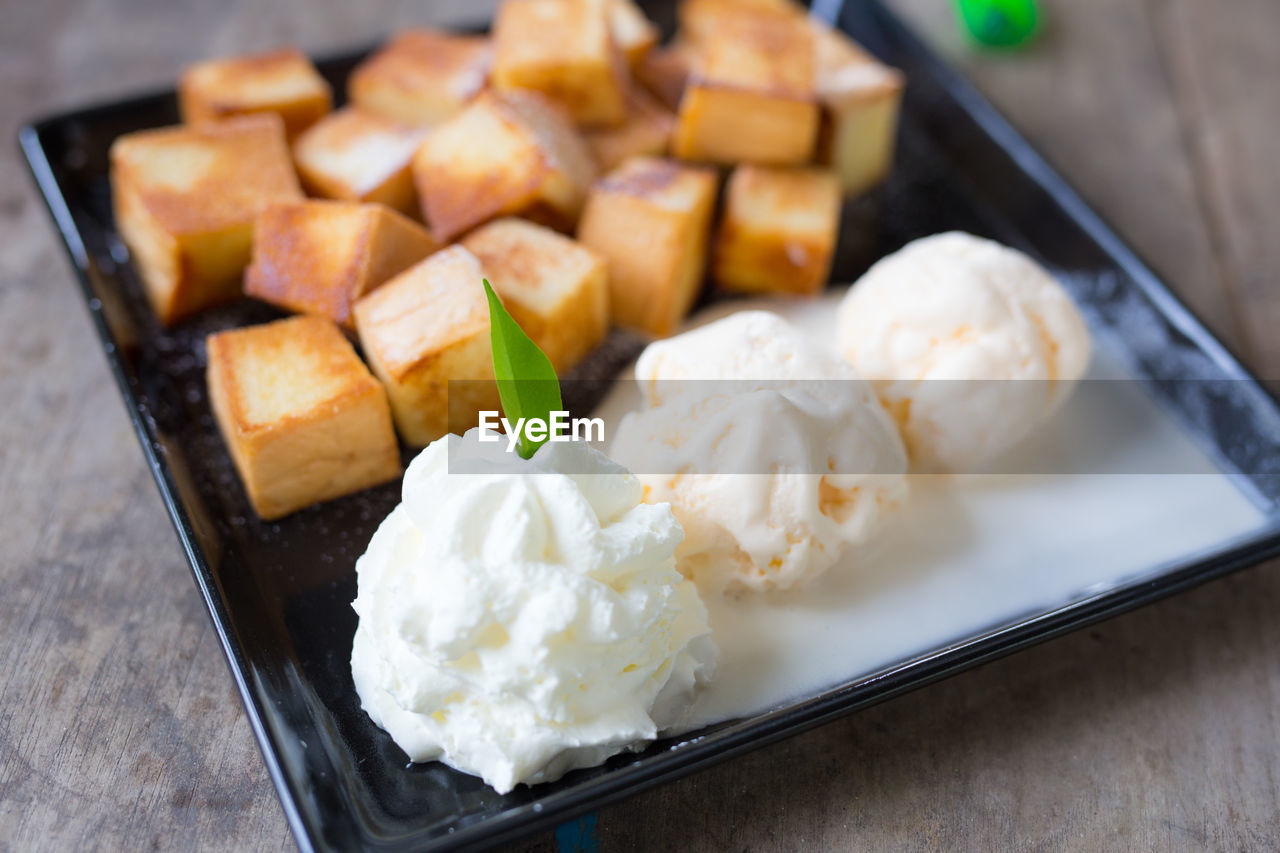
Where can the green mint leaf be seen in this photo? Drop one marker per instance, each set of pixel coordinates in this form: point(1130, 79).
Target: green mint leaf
point(527, 383)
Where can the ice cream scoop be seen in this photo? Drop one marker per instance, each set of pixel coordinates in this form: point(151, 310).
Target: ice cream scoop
point(969, 344)
point(775, 457)
point(516, 621)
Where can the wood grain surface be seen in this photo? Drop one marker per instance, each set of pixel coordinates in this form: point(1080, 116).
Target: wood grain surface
point(119, 726)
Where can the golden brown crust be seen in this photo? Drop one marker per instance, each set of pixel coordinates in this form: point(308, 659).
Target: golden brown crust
point(208, 176)
point(565, 50)
point(459, 185)
point(318, 257)
point(649, 220)
point(759, 51)
point(730, 125)
point(643, 177)
point(554, 287)
point(256, 364)
point(356, 155)
point(302, 416)
point(422, 57)
point(298, 267)
point(422, 76)
point(700, 19)
point(422, 331)
point(427, 308)
point(750, 95)
point(155, 252)
point(282, 81)
point(778, 230)
point(504, 153)
point(185, 199)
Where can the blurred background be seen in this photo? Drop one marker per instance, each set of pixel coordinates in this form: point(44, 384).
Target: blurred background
point(1153, 731)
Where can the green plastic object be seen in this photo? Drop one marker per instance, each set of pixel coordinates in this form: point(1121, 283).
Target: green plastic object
point(999, 23)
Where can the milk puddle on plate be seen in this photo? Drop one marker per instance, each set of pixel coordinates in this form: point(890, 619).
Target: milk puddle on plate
point(970, 554)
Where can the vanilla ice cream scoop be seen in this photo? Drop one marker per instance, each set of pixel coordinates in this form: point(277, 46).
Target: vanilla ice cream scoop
point(940, 328)
point(517, 622)
point(775, 457)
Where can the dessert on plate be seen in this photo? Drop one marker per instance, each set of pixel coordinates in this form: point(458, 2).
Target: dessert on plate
point(774, 455)
point(970, 344)
point(525, 614)
point(517, 622)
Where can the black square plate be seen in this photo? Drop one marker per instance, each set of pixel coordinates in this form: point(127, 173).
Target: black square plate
point(279, 593)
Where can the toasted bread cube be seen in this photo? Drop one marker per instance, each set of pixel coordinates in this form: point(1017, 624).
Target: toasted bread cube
point(281, 81)
point(860, 100)
point(556, 289)
point(565, 50)
point(699, 19)
point(665, 72)
point(303, 418)
point(750, 96)
point(633, 33)
point(506, 153)
point(778, 230)
point(423, 76)
point(646, 132)
point(422, 331)
point(185, 199)
point(649, 219)
point(319, 257)
point(356, 155)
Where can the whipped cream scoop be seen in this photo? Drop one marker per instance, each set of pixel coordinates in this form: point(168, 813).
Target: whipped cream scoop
point(517, 622)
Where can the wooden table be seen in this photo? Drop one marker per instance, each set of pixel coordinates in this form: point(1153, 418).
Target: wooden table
point(119, 727)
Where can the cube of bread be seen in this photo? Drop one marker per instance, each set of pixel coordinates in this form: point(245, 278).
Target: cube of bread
point(423, 76)
point(185, 199)
point(565, 50)
point(665, 72)
point(633, 33)
point(281, 81)
point(649, 219)
point(301, 414)
point(699, 19)
point(647, 131)
point(514, 152)
point(556, 289)
point(860, 100)
point(425, 333)
point(778, 230)
point(357, 155)
point(750, 96)
point(319, 257)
